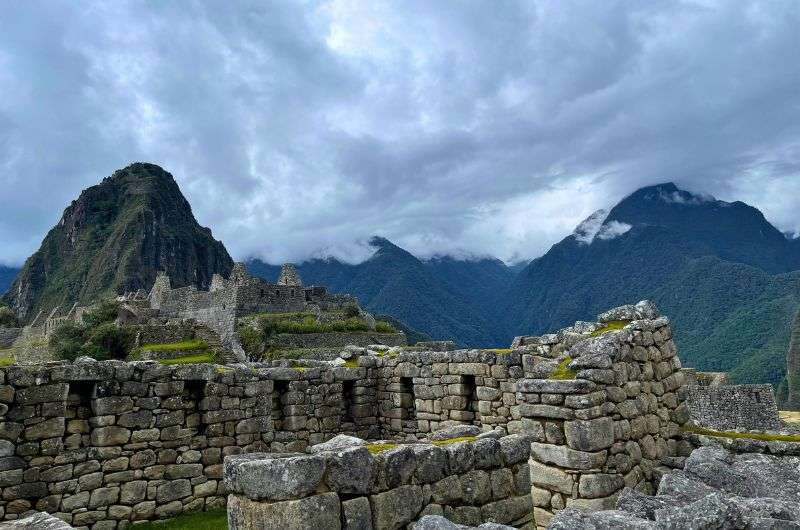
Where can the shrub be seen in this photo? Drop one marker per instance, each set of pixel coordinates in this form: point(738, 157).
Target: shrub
point(384, 327)
point(67, 340)
point(351, 310)
point(104, 312)
point(8, 319)
point(109, 341)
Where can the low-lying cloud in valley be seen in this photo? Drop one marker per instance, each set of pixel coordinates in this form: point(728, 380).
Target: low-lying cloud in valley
point(302, 128)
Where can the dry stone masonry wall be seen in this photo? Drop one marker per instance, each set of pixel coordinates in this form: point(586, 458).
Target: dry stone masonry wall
point(596, 407)
point(341, 484)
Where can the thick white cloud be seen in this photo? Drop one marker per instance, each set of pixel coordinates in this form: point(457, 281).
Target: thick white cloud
point(302, 128)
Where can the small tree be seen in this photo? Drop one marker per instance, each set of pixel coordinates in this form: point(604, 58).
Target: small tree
point(67, 340)
point(107, 341)
point(351, 311)
point(104, 312)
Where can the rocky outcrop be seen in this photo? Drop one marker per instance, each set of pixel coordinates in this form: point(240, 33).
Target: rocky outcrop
point(115, 238)
point(716, 489)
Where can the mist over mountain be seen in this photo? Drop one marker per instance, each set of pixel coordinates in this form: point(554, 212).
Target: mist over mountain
point(716, 268)
point(445, 298)
point(115, 238)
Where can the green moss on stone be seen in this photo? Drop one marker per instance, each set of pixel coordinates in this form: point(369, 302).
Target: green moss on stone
point(200, 358)
point(764, 436)
point(562, 371)
point(612, 325)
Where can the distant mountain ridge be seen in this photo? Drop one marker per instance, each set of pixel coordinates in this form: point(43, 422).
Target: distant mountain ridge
point(7, 275)
point(720, 270)
point(443, 297)
point(114, 238)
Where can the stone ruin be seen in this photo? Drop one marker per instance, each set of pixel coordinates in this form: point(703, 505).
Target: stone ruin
point(576, 420)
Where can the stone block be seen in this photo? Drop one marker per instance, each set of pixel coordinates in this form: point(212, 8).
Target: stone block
point(551, 478)
point(260, 476)
point(317, 512)
point(563, 456)
point(554, 386)
point(590, 435)
point(350, 470)
point(357, 514)
point(110, 436)
point(393, 509)
point(594, 485)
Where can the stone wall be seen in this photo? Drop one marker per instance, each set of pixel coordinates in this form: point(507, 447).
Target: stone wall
point(120, 442)
point(347, 486)
point(605, 413)
point(8, 336)
point(725, 408)
point(420, 392)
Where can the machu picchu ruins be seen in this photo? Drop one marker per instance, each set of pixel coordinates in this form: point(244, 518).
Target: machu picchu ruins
point(574, 429)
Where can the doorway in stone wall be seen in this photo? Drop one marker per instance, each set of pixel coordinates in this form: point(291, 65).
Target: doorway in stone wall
point(348, 396)
point(471, 393)
point(196, 391)
point(280, 389)
point(408, 404)
point(77, 411)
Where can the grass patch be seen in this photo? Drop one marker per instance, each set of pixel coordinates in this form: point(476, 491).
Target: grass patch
point(764, 436)
point(177, 346)
point(200, 358)
point(7, 361)
point(613, 325)
point(380, 448)
point(389, 354)
point(211, 520)
point(384, 327)
point(455, 440)
point(351, 363)
point(500, 351)
point(562, 371)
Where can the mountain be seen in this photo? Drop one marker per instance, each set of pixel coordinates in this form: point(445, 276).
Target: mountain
point(114, 238)
point(7, 275)
point(443, 297)
point(718, 269)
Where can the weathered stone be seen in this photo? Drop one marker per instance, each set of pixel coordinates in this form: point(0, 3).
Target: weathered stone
point(395, 508)
point(589, 435)
point(596, 485)
point(262, 476)
point(318, 511)
point(357, 514)
point(563, 456)
point(550, 477)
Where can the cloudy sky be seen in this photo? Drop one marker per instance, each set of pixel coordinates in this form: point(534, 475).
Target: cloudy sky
point(301, 128)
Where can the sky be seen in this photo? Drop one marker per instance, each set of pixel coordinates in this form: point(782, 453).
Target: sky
point(299, 129)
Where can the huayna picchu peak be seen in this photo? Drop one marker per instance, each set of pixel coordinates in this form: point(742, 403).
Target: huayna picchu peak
point(116, 237)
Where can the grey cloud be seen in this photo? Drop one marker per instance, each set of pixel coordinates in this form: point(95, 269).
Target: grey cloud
point(299, 129)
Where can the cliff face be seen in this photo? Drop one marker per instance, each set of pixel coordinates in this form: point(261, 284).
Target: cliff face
point(114, 238)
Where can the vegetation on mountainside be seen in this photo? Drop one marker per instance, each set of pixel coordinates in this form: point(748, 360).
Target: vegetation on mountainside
point(7, 275)
point(115, 238)
point(8, 319)
point(97, 336)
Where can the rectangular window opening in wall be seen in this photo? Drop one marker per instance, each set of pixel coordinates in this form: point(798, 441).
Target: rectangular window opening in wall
point(77, 412)
point(471, 393)
point(348, 393)
point(407, 399)
point(280, 389)
point(196, 391)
